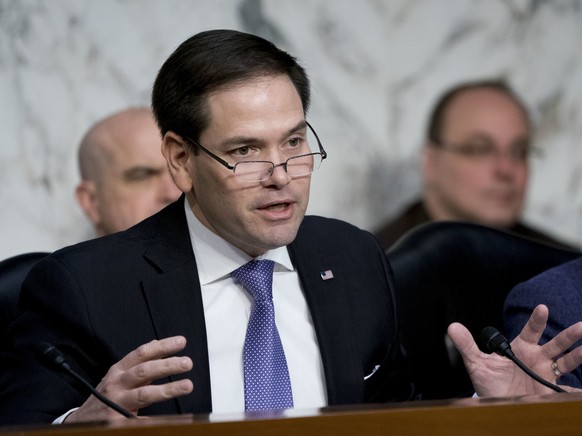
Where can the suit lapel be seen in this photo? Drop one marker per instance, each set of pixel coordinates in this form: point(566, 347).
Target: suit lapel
point(330, 311)
point(175, 301)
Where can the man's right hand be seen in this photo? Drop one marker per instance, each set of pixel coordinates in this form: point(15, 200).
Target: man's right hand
point(128, 382)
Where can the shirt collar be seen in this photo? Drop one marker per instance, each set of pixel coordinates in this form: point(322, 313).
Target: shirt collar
point(216, 258)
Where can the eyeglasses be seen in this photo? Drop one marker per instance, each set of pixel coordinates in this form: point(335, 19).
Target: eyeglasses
point(261, 170)
point(519, 153)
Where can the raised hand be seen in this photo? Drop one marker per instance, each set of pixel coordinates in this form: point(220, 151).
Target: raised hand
point(128, 382)
point(494, 375)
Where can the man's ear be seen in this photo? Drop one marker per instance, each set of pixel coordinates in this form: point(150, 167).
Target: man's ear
point(178, 156)
point(86, 193)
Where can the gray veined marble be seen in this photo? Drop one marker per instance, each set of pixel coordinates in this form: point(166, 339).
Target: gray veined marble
point(376, 65)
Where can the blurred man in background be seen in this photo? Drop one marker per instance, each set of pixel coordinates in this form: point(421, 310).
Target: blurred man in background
point(475, 163)
point(124, 176)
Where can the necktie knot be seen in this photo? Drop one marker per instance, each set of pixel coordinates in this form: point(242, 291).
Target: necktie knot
point(257, 278)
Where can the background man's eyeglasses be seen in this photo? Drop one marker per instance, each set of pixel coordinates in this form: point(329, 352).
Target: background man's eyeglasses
point(488, 152)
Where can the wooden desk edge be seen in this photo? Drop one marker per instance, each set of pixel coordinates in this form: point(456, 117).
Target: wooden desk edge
point(554, 414)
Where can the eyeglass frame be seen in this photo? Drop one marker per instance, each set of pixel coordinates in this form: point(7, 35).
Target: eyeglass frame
point(463, 150)
point(224, 163)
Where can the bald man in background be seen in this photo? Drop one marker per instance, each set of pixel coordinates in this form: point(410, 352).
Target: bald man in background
point(124, 176)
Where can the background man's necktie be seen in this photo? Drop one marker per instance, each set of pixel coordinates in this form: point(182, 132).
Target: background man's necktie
point(267, 383)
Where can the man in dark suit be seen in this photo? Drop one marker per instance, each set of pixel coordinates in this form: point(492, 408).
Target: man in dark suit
point(156, 315)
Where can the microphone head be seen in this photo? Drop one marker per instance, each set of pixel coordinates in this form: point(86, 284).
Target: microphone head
point(495, 341)
point(51, 356)
point(489, 337)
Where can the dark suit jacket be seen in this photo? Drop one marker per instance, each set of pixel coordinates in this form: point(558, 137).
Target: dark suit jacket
point(416, 214)
point(559, 288)
point(100, 299)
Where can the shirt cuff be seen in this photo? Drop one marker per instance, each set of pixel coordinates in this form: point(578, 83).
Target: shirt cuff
point(62, 418)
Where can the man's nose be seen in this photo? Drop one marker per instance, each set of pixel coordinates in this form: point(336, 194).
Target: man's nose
point(507, 162)
point(279, 175)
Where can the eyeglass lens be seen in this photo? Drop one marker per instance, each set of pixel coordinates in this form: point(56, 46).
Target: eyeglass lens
point(296, 166)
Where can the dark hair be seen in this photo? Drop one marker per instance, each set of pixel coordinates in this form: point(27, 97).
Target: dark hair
point(436, 120)
point(213, 60)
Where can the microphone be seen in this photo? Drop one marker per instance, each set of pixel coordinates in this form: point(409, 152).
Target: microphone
point(496, 342)
point(54, 358)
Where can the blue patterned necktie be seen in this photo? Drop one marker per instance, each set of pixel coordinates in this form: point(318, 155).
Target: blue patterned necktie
point(267, 384)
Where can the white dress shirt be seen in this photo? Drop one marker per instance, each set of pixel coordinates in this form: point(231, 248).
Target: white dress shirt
point(227, 309)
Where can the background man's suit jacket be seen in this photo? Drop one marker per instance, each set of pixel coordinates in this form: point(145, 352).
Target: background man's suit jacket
point(100, 299)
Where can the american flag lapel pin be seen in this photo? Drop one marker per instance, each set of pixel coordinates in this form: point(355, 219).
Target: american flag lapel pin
point(326, 275)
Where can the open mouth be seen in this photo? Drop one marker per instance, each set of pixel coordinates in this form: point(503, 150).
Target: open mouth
point(276, 207)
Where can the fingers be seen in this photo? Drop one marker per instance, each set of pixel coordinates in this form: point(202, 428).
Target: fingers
point(464, 342)
point(561, 343)
point(534, 328)
point(493, 375)
point(541, 358)
point(148, 362)
point(128, 382)
point(569, 362)
point(145, 373)
point(151, 394)
point(152, 350)
point(460, 336)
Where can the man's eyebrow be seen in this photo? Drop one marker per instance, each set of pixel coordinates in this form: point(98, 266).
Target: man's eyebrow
point(479, 136)
point(486, 137)
point(243, 140)
point(300, 126)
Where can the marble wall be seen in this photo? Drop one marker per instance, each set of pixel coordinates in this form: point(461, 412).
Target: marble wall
point(376, 65)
